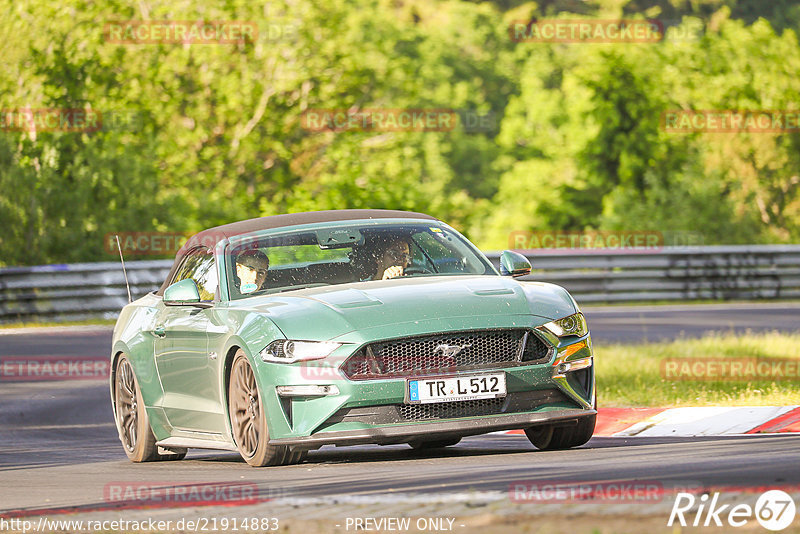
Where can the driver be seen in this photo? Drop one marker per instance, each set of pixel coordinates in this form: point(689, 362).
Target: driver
point(393, 261)
point(251, 269)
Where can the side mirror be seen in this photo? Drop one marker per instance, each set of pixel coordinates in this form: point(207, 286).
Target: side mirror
point(514, 264)
point(181, 293)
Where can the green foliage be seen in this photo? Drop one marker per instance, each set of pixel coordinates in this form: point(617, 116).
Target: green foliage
point(212, 133)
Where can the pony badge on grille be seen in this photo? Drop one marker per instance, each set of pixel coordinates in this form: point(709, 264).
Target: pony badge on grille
point(449, 351)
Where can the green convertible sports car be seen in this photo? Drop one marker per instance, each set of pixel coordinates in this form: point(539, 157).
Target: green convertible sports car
point(279, 335)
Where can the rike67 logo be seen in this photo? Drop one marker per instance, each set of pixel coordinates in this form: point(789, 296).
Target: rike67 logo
point(774, 510)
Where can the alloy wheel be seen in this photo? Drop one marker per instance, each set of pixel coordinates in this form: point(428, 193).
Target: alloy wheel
point(127, 405)
point(246, 409)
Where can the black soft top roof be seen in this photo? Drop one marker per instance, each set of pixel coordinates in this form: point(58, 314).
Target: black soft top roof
point(212, 236)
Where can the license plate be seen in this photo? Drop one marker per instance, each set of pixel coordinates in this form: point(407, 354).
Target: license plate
point(457, 388)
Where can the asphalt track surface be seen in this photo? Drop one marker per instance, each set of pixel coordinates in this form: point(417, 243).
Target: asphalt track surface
point(59, 447)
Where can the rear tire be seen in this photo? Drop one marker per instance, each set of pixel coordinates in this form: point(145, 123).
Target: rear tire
point(249, 421)
point(436, 444)
point(130, 415)
point(550, 437)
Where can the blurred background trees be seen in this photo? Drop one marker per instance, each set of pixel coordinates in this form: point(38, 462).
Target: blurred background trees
point(209, 134)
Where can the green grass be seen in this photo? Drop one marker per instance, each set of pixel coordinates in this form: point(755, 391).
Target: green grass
point(630, 375)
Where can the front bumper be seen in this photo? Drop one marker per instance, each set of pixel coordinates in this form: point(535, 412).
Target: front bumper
point(440, 430)
point(374, 411)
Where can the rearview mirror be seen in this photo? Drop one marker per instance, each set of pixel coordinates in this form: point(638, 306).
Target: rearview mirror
point(339, 238)
point(514, 264)
point(182, 293)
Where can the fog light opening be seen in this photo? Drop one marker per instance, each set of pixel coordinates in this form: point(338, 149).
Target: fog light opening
point(567, 367)
point(308, 390)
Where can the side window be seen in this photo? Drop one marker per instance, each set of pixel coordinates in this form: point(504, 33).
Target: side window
point(199, 265)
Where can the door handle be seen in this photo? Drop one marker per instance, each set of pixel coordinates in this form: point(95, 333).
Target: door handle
point(159, 331)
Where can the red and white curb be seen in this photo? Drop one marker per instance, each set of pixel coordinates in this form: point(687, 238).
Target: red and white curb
point(704, 421)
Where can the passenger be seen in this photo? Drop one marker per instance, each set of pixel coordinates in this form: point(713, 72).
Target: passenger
point(251, 269)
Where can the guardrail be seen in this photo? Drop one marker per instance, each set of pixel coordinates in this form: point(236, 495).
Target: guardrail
point(74, 291)
point(746, 272)
point(97, 290)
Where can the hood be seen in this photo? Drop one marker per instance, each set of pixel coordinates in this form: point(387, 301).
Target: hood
point(398, 307)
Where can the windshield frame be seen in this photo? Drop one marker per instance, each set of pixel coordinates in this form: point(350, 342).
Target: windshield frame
point(227, 266)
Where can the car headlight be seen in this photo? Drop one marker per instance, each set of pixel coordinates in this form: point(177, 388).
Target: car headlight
point(572, 325)
point(289, 351)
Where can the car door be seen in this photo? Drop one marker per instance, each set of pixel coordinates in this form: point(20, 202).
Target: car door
point(187, 370)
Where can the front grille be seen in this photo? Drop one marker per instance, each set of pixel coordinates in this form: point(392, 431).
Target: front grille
point(444, 353)
point(450, 410)
point(535, 349)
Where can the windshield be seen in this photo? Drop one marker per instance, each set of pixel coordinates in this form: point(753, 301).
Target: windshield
point(348, 253)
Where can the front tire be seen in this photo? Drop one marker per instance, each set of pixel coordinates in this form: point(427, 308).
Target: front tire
point(550, 437)
point(249, 421)
point(131, 418)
